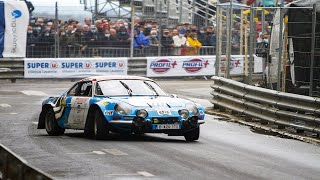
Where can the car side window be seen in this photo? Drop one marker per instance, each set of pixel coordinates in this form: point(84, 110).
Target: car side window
point(86, 89)
point(73, 90)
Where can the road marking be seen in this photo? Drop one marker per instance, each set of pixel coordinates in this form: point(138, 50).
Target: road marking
point(115, 152)
point(133, 174)
point(145, 174)
point(5, 105)
point(36, 123)
point(99, 152)
point(81, 153)
point(34, 93)
point(13, 113)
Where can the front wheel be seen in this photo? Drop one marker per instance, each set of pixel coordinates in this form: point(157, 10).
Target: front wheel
point(97, 127)
point(192, 135)
point(51, 124)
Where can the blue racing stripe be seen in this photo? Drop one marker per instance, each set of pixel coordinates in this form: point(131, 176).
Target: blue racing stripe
point(2, 28)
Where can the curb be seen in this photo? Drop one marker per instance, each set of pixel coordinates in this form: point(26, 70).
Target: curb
point(282, 132)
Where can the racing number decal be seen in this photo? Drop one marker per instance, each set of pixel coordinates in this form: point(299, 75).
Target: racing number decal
point(79, 106)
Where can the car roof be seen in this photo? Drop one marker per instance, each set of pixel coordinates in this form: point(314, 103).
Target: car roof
point(115, 77)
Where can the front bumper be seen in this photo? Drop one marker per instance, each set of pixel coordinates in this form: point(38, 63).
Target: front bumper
point(147, 125)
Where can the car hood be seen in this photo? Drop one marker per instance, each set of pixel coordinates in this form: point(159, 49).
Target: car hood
point(146, 101)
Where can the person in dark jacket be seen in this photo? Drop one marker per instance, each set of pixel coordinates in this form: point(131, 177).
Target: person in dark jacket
point(209, 40)
point(166, 43)
point(123, 37)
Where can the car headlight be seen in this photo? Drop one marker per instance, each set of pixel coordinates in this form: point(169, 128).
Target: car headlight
point(142, 113)
point(122, 109)
point(184, 113)
point(192, 108)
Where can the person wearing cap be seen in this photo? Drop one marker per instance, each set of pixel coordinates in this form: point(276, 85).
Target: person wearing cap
point(194, 44)
point(166, 43)
point(180, 42)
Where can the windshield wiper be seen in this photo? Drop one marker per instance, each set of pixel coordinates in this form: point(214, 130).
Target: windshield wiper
point(151, 87)
point(127, 87)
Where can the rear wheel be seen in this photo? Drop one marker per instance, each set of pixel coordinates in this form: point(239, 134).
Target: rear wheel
point(51, 124)
point(192, 135)
point(96, 126)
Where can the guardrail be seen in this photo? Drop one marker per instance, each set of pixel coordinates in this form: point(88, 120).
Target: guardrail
point(13, 167)
point(283, 109)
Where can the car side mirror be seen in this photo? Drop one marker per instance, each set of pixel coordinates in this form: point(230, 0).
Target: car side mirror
point(173, 96)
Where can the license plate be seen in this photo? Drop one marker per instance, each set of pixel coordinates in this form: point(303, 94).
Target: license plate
point(167, 126)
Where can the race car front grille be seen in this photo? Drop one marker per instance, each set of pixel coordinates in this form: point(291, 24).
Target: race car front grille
point(169, 120)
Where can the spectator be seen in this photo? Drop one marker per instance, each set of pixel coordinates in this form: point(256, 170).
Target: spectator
point(154, 43)
point(194, 44)
point(174, 33)
point(180, 43)
point(140, 40)
point(201, 35)
point(235, 42)
point(87, 21)
point(123, 37)
point(31, 37)
point(136, 20)
point(167, 43)
point(113, 35)
point(98, 24)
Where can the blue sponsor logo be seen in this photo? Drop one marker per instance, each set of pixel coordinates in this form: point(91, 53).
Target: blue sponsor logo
point(106, 64)
point(72, 65)
point(16, 14)
point(38, 65)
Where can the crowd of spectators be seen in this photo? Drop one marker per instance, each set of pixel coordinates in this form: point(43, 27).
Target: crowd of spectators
point(109, 38)
point(106, 37)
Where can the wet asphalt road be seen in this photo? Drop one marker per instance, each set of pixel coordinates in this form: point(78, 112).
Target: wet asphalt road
point(224, 151)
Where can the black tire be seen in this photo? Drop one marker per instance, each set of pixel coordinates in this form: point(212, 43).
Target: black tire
point(96, 127)
point(192, 135)
point(51, 124)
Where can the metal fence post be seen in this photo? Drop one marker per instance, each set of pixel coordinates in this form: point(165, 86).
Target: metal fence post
point(251, 45)
point(132, 30)
point(160, 27)
point(56, 39)
point(207, 13)
point(313, 41)
point(280, 50)
point(229, 44)
point(180, 12)
point(192, 14)
point(218, 47)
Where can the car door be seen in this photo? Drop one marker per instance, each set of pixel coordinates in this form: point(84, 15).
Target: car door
point(79, 105)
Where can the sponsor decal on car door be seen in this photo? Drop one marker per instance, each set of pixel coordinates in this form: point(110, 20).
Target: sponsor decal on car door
point(79, 111)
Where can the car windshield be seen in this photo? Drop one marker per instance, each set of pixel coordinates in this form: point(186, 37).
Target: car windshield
point(128, 87)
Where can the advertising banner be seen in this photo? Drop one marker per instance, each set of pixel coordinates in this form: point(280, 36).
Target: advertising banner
point(190, 66)
point(14, 20)
point(74, 67)
point(180, 66)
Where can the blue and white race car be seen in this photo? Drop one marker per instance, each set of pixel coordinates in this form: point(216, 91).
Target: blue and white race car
point(121, 104)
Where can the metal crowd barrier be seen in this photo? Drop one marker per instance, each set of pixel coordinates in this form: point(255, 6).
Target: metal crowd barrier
point(283, 109)
point(13, 167)
point(45, 50)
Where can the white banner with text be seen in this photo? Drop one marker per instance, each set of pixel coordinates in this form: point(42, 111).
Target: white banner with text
point(190, 66)
point(74, 67)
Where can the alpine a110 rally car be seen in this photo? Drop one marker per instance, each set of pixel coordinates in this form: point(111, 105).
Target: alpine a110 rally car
point(120, 104)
